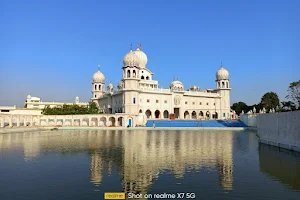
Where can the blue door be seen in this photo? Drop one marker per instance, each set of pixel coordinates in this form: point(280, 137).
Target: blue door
point(130, 122)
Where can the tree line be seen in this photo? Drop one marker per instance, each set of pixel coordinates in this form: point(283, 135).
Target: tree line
point(74, 109)
point(270, 100)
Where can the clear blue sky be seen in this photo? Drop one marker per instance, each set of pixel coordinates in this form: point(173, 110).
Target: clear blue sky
point(52, 48)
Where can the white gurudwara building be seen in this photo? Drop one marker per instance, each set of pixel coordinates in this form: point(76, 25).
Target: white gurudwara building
point(138, 94)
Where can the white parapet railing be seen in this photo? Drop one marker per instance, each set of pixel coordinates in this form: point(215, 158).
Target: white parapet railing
point(158, 90)
point(199, 93)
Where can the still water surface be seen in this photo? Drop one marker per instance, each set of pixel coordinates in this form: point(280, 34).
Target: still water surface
point(84, 164)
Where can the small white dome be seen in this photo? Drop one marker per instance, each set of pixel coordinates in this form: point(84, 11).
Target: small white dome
point(98, 77)
point(131, 59)
point(28, 97)
point(177, 85)
point(194, 88)
point(120, 85)
point(222, 74)
point(110, 85)
point(142, 57)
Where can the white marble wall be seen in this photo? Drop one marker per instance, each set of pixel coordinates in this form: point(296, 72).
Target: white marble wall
point(249, 119)
point(280, 129)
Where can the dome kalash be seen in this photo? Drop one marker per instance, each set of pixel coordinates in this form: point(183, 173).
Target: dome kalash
point(98, 77)
point(222, 74)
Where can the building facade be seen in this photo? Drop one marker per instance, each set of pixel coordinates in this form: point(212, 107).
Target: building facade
point(36, 103)
point(138, 93)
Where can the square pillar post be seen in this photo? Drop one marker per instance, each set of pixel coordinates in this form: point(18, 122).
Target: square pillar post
point(18, 121)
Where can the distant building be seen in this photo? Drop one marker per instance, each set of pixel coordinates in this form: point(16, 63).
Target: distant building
point(138, 93)
point(36, 103)
point(13, 110)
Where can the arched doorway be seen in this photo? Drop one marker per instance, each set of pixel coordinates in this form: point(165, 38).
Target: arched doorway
point(207, 114)
point(186, 115)
point(112, 121)
point(102, 121)
point(157, 114)
point(148, 114)
point(201, 115)
point(194, 115)
point(120, 121)
point(166, 114)
point(130, 122)
point(215, 115)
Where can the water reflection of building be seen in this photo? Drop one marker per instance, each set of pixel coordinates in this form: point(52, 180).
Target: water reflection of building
point(282, 165)
point(147, 154)
point(96, 169)
point(139, 155)
point(28, 141)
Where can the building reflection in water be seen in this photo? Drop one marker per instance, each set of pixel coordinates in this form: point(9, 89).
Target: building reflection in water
point(280, 164)
point(139, 155)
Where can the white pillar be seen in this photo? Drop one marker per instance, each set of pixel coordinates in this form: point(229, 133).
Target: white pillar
point(72, 120)
point(2, 122)
point(90, 121)
point(25, 120)
point(18, 121)
point(31, 120)
point(10, 121)
point(39, 121)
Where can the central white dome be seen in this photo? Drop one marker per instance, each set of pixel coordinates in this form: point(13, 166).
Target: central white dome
point(222, 74)
point(142, 57)
point(98, 77)
point(131, 59)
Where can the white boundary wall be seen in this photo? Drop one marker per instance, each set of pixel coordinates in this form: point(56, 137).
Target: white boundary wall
point(280, 129)
point(249, 119)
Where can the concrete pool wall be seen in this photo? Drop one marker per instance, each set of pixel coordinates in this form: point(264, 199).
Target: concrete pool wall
point(280, 129)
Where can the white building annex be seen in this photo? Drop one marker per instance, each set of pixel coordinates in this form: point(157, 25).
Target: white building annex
point(138, 94)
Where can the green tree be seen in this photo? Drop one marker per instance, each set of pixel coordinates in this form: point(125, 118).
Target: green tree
point(294, 93)
point(256, 106)
point(91, 108)
point(270, 100)
point(288, 106)
point(239, 107)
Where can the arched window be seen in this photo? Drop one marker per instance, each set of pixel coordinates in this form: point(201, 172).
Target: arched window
point(99, 87)
point(95, 87)
point(143, 77)
point(218, 84)
point(223, 85)
point(226, 84)
point(147, 78)
point(134, 74)
point(128, 73)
